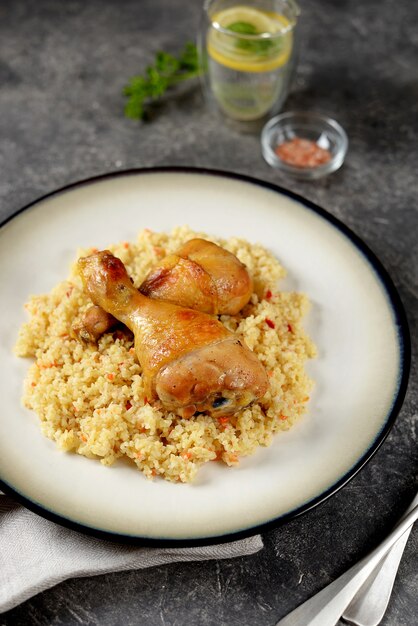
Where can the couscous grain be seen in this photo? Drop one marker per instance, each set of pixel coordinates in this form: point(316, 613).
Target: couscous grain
point(90, 399)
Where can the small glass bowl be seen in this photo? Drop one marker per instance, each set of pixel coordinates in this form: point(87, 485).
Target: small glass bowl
point(325, 131)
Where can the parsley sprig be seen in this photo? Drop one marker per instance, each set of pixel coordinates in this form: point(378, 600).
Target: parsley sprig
point(167, 71)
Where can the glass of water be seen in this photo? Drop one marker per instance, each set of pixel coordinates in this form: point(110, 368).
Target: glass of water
point(248, 53)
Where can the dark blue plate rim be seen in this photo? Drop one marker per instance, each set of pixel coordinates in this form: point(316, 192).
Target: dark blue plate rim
point(403, 335)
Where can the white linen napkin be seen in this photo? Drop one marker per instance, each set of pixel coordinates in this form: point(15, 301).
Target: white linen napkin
point(36, 554)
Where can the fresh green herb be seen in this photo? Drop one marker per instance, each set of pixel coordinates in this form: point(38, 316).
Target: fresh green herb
point(244, 28)
point(254, 46)
point(167, 71)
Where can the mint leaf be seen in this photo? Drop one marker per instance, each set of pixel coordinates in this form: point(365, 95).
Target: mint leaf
point(261, 47)
point(244, 28)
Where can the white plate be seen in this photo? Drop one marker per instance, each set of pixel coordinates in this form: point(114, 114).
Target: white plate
point(357, 323)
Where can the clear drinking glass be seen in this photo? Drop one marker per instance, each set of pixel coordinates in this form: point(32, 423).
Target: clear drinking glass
point(248, 51)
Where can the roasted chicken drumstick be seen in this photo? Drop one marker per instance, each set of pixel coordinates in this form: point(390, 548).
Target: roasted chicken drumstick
point(190, 361)
point(203, 276)
point(200, 275)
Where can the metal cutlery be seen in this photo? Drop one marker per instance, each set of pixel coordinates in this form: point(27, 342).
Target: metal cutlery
point(370, 603)
point(327, 606)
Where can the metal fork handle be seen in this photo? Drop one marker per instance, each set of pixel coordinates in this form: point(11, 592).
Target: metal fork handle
point(327, 606)
point(371, 601)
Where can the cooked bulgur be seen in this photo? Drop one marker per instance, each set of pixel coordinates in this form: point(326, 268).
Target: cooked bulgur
point(90, 399)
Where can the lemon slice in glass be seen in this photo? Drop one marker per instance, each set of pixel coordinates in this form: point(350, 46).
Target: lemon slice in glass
point(250, 40)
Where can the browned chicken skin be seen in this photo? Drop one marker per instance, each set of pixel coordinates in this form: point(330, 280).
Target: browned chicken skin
point(200, 275)
point(203, 276)
point(96, 321)
point(190, 361)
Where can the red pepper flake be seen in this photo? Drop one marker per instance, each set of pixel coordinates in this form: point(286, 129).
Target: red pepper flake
point(48, 365)
point(145, 400)
point(33, 384)
point(110, 376)
point(223, 420)
point(270, 323)
point(83, 438)
point(290, 328)
point(268, 295)
point(302, 153)
point(125, 245)
point(283, 417)
point(128, 405)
